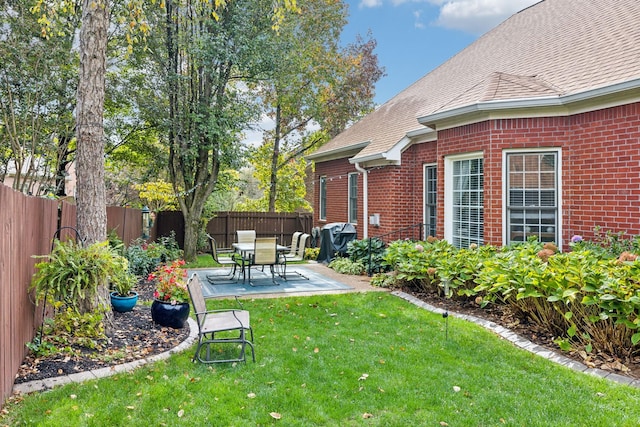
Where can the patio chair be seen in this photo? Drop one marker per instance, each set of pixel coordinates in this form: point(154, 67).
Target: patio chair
point(265, 253)
point(293, 249)
point(298, 256)
point(224, 261)
point(214, 323)
point(245, 236)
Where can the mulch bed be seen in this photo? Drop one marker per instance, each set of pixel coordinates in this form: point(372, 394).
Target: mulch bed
point(136, 337)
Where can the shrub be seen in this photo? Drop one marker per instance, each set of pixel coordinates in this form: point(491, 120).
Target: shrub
point(347, 266)
point(311, 253)
point(589, 298)
point(358, 251)
point(384, 280)
point(145, 257)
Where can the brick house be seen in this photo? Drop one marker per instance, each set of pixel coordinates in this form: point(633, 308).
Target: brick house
point(534, 129)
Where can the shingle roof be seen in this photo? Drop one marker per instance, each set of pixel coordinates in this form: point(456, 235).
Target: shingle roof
point(553, 48)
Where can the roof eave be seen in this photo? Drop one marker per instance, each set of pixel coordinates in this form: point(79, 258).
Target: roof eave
point(394, 154)
point(559, 102)
point(338, 153)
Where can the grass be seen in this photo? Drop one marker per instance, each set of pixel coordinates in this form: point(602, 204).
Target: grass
point(367, 359)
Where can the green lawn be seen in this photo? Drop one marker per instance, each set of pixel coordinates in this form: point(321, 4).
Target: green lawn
point(345, 360)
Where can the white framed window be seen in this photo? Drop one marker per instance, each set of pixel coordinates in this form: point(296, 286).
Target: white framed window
point(353, 197)
point(464, 199)
point(430, 199)
point(532, 195)
point(323, 198)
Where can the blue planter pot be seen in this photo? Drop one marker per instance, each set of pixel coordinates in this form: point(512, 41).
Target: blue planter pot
point(123, 304)
point(173, 316)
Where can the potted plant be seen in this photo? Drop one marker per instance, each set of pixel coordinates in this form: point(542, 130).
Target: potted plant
point(170, 306)
point(123, 297)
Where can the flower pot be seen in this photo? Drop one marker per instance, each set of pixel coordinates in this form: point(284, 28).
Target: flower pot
point(166, 314)
point(123, 304)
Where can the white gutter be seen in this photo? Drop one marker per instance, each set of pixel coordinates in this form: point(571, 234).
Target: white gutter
point(365, 200)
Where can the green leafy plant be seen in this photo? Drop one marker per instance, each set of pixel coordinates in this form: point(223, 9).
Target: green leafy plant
point(311, 253)
point(371, 257)
point(72, 273)
point(347, 266)
point(144, 257)
point(384, 280)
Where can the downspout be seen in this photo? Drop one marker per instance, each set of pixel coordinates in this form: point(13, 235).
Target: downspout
point(365, 200)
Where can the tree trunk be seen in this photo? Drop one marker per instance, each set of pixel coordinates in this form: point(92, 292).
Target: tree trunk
point(191, 230)
point(91, 193)
point(273, 182)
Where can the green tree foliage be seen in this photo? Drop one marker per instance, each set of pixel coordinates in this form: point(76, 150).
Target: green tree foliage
point(290, 182)
point(205, 105)
point(36, 122)
point(314, 84)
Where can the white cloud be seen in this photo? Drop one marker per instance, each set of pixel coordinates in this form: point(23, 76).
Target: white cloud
point(477, 16)
point(417, 14)
point(472, 16)
point(370, 3)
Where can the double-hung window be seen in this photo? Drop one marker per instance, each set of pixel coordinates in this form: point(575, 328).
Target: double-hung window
point(532, 195)
point(464, 200)
point(323, 198)
point(353, 197)
point(430, 198)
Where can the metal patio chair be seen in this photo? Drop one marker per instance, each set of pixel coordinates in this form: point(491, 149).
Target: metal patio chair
point(245, 236)
point(231, 262)
point(265, 253)
point(293, 249)
point(298, 256)
point(216, 328)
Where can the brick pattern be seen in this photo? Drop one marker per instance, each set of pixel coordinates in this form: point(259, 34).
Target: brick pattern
point(600, 172)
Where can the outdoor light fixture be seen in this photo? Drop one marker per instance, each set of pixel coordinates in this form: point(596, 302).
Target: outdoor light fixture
point(146, 222)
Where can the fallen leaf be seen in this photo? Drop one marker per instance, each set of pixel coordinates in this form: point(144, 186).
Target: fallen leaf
point(131, 407)
point(443, 424)
point(275, 415)
point(367, 415)
point(363, 377)
point(316, 350)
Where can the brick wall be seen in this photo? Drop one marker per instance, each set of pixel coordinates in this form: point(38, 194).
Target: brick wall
point(600, 172)
point(337, 175)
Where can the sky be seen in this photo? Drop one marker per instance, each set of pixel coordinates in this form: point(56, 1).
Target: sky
point(414, 37)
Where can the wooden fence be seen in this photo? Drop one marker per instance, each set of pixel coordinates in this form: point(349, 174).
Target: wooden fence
point(27, 226)
point(224, 225)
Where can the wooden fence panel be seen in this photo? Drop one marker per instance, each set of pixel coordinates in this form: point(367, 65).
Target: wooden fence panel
point(27, 227)
point(126, 222)
point(223, 225)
